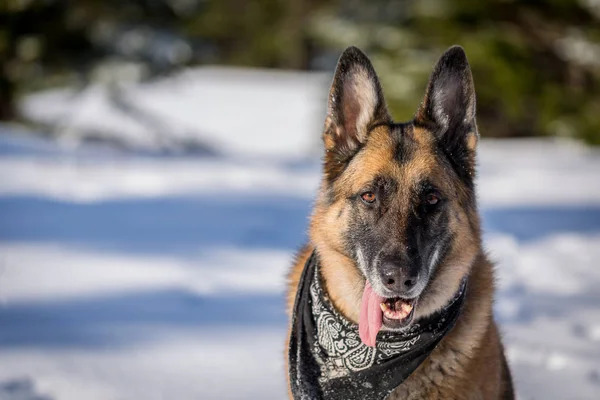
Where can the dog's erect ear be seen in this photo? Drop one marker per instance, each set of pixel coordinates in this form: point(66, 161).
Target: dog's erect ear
point(356, 104)
point(448, 109)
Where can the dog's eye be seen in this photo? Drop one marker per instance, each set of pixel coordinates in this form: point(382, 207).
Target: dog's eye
point(368, 197)
point(432, 199)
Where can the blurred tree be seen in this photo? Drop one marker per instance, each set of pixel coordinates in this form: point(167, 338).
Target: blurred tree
point(267, 33)
point(49, 42)
point(536, 64)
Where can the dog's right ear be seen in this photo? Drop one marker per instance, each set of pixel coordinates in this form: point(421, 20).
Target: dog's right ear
point(356, 104)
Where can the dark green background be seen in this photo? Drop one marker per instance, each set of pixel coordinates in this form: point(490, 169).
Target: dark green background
point(536, 63)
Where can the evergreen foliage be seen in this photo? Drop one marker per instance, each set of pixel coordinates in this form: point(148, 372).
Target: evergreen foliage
point(536, 63)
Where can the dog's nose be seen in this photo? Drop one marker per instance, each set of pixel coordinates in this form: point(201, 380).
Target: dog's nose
point(398, 278)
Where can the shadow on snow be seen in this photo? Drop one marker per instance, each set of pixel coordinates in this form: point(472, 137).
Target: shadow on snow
point(159, 226)
point(124, 318)
point(179, 225)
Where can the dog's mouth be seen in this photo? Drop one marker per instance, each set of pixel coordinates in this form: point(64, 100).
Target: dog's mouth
point(397, 312)
point(376, 312)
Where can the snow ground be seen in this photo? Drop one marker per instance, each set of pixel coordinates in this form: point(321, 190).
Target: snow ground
point(131, 276)
point(210, 107)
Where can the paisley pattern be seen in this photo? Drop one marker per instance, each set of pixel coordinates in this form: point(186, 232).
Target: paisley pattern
point(338, 348)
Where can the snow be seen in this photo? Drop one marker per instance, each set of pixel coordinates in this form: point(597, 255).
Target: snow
point(127, 275)
point(213, 107)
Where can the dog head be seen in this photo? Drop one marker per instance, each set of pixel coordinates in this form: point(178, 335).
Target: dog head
point(397, 203)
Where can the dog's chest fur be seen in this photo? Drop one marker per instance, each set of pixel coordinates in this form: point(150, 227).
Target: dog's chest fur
point(439, 377)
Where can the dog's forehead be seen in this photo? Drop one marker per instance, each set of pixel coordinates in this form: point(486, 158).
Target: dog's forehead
point(402, 152)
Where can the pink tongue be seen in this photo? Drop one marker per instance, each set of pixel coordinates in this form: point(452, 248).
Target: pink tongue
point(371, 316)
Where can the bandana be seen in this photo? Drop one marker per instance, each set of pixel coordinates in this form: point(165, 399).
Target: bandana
point(327, 359)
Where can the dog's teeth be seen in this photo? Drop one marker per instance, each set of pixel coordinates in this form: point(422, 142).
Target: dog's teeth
point(400, 309)
point(403, 306)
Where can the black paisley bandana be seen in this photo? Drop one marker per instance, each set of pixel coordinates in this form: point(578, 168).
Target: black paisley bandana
point(327, 359)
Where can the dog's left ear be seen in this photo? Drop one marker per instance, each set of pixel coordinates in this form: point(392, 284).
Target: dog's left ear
point(448, 109)
point(356, 104)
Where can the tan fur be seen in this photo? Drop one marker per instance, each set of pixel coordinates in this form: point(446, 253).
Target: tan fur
point(472, 141)
point(469, 362)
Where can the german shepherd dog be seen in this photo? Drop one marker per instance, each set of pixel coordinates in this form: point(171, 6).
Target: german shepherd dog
point(395, 224)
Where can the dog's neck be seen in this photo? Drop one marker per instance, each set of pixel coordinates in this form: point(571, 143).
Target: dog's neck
point(326, 354)
point(344, 284)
